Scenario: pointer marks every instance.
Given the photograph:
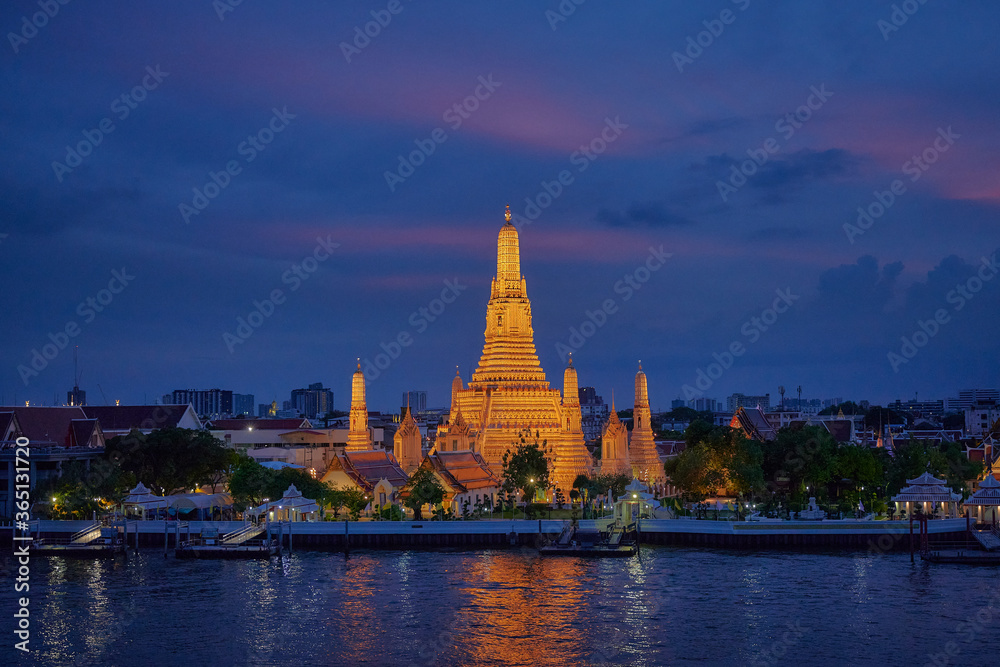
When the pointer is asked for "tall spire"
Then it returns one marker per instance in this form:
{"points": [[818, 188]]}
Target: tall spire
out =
{"points": [[645, 459], [509, 350], [358, 438]]}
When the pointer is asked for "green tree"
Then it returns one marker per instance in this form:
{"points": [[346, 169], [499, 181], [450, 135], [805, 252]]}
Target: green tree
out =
{"points": [[422, 489], [172, 459], [719, 458], [355, 501], [525, 468]]}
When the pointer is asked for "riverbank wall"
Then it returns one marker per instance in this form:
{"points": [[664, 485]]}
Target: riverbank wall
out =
{"points": [[881, 536]]}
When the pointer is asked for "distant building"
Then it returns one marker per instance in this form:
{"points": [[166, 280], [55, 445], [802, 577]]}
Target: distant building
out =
{"points": [[56, 436], [313, 401], [967, 397], [417, 400], [677, 403], [594, 412], [980, 417], [705, 404], [919, 408], [243, 404], [211, 403], [736, 401], [76, 396]]}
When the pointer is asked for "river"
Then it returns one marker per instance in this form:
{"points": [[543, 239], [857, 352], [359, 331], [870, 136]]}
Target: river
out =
{"points": [[670, 606]]}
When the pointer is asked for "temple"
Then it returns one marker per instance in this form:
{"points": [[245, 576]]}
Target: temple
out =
{"points": [[358, 438], [614, 446], [646, 465], [508, 391]]}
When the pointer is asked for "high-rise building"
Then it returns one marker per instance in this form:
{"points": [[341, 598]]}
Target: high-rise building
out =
{"points": [[968, 397], [704, 404], [313, 401], [243, 404], [738, 400], [417, 400], [208, 403], [594, 412]]}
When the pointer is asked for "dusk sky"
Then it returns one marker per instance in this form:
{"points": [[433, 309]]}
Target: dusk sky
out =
{"points": [[643, 124]]}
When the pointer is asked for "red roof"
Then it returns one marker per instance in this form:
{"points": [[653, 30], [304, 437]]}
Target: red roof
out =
{"points": [[463, 470], [140, 417], [54, 426], [367, 468]]}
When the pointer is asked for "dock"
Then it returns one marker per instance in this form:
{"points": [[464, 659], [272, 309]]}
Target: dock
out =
{"points": [[245, 542], [93, 541]]}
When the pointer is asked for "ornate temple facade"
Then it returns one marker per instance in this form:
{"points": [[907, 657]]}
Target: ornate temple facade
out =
{"points": [[614, 446], [508, 392], [407, 444], [358, 437]]}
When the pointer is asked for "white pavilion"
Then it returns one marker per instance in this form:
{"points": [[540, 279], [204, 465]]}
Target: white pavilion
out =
{"points": [[985, 502], [929, 494]]}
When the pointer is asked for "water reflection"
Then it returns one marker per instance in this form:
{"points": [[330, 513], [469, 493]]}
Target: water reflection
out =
{"points": [[671, 606]]}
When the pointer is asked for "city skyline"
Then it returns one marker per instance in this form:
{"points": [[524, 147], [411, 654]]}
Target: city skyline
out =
{"points": [[250, 164]]}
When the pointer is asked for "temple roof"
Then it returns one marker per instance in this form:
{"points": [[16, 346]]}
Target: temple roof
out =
{"points": [[924, 489], [463, 470], [367, 468]]}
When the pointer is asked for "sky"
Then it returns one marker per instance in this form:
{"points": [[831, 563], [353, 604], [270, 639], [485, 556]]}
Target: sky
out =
{"points": [[740, 194]]}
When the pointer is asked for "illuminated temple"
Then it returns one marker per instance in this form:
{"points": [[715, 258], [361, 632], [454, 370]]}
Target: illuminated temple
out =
{"points": [[508, 392]]}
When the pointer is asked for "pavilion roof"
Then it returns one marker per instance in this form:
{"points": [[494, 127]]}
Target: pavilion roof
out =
{"points": [[988, 493]]}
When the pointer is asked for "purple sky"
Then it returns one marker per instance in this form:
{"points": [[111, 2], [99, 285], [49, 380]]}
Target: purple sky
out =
{"points": [[672, 131]]}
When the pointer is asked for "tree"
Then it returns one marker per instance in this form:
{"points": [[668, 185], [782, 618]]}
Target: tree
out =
{"points": [[250, 483], [355, 501], [525, 468], [717, 458], [172, 459], [422, 489]]}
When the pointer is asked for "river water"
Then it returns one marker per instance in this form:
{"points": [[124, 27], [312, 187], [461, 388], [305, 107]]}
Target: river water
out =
{"points": [[670, 606]]}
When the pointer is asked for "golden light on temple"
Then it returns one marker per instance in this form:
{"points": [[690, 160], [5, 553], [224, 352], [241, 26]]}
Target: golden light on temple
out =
{"points": [[508, 391]]}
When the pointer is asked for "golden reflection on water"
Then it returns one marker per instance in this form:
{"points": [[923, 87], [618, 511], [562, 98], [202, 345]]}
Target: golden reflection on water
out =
{"points": [[518, 608]]}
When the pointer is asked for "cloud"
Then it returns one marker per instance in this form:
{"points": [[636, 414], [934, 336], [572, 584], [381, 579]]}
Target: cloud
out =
{"points": [[652, 214]]}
